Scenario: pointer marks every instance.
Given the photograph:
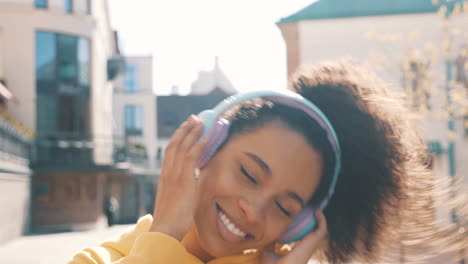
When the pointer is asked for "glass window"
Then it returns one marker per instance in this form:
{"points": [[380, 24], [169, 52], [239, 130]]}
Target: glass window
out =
{"points": [[67, 59], [133, 115], [72, 115], [45, 55], [66, 115], [129, 116], [131, 78], [69, 6], [83, 62], [62, 83], [138, 117], [46, 107], [40, 3]]}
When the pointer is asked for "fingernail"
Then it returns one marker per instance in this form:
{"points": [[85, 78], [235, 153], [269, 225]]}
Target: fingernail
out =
{"points": [[196, 172]]}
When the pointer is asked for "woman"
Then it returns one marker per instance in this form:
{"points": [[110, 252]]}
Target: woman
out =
{"points": [[276, 160]]}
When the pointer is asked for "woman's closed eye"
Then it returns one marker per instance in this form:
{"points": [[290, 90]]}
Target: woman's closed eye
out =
{"points": [[286, 212], [247, 174]]}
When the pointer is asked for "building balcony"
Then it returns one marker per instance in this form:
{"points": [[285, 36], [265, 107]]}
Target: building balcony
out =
{"points": [[79, 153], [62, 153], [132, 154]]}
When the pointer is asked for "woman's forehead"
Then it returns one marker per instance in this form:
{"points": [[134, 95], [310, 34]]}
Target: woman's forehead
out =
{"points": [[274, 140]]}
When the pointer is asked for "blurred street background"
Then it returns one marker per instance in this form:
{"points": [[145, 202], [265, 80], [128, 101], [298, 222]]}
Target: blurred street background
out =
{"points": [[91, 91], [55, 248]]}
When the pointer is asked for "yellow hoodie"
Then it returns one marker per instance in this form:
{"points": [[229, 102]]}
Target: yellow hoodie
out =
{"points": [[139, 246]]}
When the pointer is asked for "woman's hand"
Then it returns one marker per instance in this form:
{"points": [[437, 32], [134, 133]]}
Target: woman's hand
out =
{"points": [[302, 250], [177, 185]]}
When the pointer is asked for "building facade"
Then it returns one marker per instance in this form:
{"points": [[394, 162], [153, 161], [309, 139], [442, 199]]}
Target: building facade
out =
{"points": [[49, 50], [134, 109], [135, 124], [332, 29], [59, 58], [317, 33], [15, 175]]}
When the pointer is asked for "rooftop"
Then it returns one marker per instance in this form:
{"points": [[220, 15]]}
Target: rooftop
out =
{"points": [[327, 9]]}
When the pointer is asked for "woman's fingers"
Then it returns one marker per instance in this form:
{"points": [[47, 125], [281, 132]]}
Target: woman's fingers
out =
{"points": [[304, 249], [269, 255], [191, 137], [185, 147], [176, 196], [193, 156], [175, 141], [313, 240], [322, 222]]}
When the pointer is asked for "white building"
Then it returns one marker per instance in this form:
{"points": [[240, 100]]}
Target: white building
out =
{"points": [[48, 49], [55, 58], [135, 109], [328, 30], [332, 29]]}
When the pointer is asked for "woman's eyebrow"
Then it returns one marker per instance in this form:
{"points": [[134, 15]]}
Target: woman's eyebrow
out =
{"points": [[266, 169], [296, 197]]}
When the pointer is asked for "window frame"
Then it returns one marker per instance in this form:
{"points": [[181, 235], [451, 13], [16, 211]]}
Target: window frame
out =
{"points": [[68, 6], [133, 119], [52, 87], [42, 4], [133, 75]]}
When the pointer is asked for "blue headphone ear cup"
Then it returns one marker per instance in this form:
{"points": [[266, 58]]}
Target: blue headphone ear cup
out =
{"points": [[209, 118], [216, 131], [303, 224]]}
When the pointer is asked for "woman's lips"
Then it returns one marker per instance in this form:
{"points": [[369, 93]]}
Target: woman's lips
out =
{"points": [[227, 229]]}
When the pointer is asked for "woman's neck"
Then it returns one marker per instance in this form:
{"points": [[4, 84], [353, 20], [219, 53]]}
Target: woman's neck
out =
{"points": [[192, 246]]}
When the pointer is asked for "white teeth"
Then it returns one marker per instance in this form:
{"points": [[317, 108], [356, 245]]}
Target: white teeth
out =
{"points": [[230, 226]]}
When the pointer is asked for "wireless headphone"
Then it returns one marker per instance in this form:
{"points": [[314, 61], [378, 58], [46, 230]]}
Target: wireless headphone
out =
{"points": [[216, 128]]}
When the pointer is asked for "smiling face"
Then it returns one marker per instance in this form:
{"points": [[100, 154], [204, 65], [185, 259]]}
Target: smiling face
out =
{"points": [[252, 189]]}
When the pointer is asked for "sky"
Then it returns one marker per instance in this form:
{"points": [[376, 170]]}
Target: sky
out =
{"points": [[185, 36]]}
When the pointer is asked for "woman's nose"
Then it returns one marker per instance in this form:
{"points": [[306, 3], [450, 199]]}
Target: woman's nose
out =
{"points": [[251, 212]]}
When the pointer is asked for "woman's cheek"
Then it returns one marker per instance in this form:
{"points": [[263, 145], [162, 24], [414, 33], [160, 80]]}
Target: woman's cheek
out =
{"points": [[218, 181], [228, 183]]}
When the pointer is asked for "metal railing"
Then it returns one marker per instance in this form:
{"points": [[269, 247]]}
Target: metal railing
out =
{"points": [[74, 151], [15, 145]]}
